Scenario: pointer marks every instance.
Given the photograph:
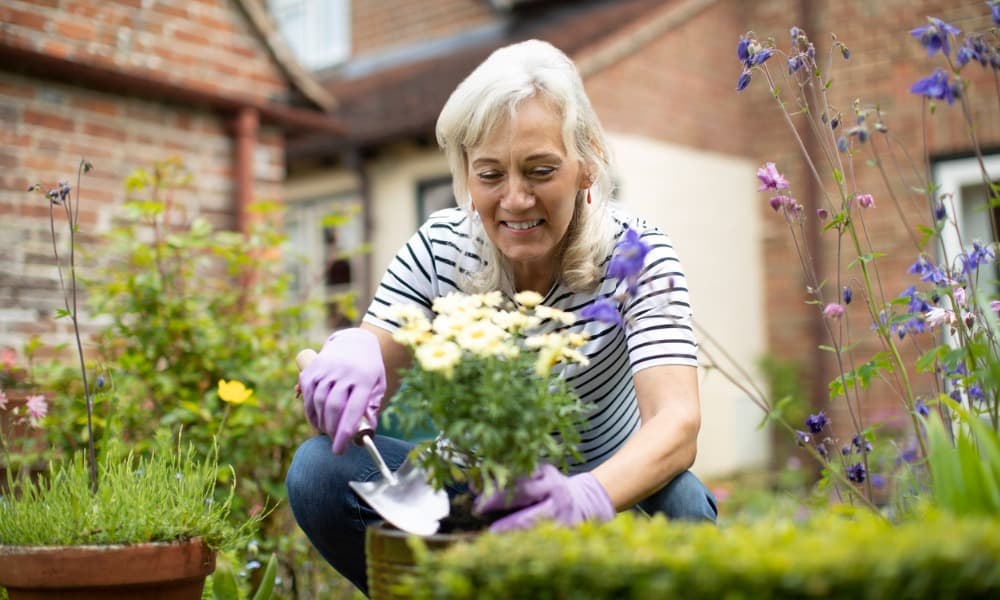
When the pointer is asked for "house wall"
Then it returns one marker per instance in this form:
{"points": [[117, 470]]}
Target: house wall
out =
{"points": [[717, 237], [379, 26], [47, 126]]}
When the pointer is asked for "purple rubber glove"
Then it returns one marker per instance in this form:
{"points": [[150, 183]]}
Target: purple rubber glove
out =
{"points": [[344, 383], [549, 495]]}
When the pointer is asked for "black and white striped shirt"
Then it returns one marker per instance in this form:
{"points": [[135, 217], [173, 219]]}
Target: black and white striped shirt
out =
{"points": [[658, 327]]}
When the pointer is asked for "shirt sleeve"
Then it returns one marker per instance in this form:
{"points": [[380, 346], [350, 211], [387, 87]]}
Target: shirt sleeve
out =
{"points": [[658, 318], [410, 279]]}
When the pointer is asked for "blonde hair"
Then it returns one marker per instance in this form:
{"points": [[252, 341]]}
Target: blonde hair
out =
{"points": [[484, 101]]}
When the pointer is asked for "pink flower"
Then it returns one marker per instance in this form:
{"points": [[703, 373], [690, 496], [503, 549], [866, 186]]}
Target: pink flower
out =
{"points": [[995, 306], [779, 201], [833, 311], [960, 295], [770, 178], [37, 407], [937, 315], [865, 200], [7, 358]]}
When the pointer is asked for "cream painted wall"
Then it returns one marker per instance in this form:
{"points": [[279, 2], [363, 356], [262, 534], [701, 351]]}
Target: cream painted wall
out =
{"points": [[707, 204], [394, 176]]}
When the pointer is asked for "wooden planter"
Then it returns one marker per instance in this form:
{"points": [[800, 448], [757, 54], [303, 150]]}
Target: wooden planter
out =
{"points": [[390, 557], [174, 571]]}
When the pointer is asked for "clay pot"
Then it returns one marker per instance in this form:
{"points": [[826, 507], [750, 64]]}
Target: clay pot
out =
{"points": [[167, 571], [390, 557]]}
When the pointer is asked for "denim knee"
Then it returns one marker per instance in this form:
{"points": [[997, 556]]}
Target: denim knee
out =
{"points": [[685, 498]]}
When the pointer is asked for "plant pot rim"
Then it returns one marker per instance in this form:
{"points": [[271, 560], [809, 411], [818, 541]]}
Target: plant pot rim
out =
{"points": [[54, 566]]}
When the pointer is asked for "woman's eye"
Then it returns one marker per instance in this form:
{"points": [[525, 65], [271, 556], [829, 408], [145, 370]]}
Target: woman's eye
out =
{"points": [[542, 172], [489, 176]]}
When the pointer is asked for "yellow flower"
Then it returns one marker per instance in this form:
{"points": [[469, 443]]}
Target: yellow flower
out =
{"points": [[439, 355], [234, 392], [481, 337]]}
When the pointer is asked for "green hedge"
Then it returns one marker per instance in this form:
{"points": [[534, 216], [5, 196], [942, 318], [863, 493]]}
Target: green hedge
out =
{"points": [[828, 556]]}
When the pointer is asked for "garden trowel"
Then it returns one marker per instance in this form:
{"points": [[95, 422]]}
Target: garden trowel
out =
{"points": [[404, 498]]}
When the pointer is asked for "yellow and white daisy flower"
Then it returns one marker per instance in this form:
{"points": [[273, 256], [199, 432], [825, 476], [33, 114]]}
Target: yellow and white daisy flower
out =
{"points": [[439, 356]]}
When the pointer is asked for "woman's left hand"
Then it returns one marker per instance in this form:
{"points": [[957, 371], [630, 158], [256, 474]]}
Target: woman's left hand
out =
{"points": [[549, 495]]}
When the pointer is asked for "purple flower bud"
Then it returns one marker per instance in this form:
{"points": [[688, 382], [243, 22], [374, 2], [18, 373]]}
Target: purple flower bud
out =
{"points": [[817, 422], [803, 437], [865, 200], [847, 294], [921, 408], [822, 214], [856, 472], [842, 144], [743, 81]]}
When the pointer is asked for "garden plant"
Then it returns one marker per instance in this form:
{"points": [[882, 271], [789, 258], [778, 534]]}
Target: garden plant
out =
{"points": [[484, 376]]}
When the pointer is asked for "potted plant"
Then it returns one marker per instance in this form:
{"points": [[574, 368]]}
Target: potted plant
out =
{"points": [[106, 522], [501, 359]]}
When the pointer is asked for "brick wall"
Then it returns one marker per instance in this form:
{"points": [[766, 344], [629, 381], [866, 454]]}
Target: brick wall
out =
{"points": [[206, 44], [47, 126], [383, 25], [678, 88]]}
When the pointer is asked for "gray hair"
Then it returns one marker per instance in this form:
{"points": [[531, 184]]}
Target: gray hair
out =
{"points": [[485, 100]]}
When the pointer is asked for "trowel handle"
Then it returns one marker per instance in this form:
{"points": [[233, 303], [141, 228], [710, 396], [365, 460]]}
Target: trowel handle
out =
{"points": [[365, 429]]}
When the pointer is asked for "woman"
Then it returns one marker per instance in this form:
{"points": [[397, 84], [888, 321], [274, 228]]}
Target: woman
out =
{"points": [[532, 170]]}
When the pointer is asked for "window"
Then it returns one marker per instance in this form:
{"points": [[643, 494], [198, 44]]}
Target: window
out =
{"points": [[318, 31], [324, 253], [434, 195], [967, 199]]}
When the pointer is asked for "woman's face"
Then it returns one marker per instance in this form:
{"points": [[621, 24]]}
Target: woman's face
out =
{"points": [[524, 184]]}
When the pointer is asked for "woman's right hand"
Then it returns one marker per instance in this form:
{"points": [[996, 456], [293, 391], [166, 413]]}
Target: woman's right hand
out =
{"points": [[345, 382]]}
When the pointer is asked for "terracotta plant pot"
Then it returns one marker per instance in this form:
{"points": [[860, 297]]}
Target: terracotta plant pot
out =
{"points": [[390, 557], [174, 571]]}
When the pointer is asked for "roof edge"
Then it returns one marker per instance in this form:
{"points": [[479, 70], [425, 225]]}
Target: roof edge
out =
{"points": [[298, 75], [594, 60]]}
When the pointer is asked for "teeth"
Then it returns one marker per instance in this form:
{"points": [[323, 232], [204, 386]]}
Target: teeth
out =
{"points": [[523, 224]]}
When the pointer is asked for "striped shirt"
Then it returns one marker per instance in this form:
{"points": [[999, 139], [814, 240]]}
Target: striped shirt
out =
{"points": [[658, 327]]}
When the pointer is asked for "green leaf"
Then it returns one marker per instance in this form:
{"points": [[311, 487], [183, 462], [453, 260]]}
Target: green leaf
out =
{"points": [[838, 176], [266, 588], [224, 585]]}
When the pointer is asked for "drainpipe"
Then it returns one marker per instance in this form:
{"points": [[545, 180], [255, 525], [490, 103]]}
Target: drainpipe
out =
{"points": [[245, 127]]}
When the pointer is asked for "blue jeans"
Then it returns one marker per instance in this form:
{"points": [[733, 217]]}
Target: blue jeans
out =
{"points": [[334, 518]]}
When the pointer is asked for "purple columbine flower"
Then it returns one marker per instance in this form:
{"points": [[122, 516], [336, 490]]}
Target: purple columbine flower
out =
{"points": [[628, 259], [934, 36], [936, 86], [770, 178], [856, 472], [858, 441], [921, 408], [817, 422], [743, 50], [995, 307], [603, 310]]}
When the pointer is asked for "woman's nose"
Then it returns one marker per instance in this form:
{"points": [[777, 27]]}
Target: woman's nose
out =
{"points": [[519, 194]]}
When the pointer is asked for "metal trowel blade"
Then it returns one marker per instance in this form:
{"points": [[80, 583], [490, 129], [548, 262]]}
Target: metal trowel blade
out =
{"points": [[411, 504]]}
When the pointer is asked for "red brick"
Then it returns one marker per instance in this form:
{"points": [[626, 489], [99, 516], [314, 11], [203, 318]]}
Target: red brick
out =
{"points": [[46, 119]]}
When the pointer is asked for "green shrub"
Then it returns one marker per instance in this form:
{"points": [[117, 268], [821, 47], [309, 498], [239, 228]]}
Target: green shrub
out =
{"points": [[829, 556]]}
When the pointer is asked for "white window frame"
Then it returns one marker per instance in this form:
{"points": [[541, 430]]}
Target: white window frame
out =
{"points": [[323, 37], [950, 176]]}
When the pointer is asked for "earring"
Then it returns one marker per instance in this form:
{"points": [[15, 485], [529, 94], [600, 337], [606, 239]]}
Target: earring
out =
{"points": [[588, 196]]}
